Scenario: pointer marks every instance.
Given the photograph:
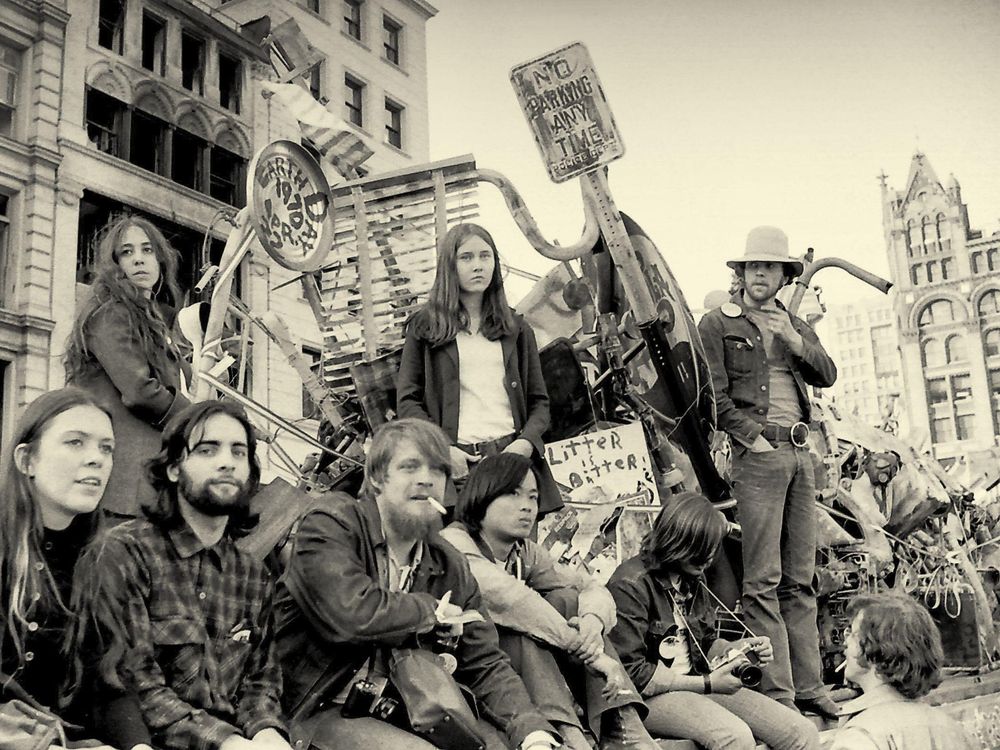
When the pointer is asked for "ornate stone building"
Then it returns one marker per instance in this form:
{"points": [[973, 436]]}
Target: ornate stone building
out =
{"points": [[946, 304]]}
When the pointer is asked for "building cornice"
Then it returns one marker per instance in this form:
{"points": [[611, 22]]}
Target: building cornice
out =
{"points": [[42, 9], [423, 7], [208, 22], [21, 321]]}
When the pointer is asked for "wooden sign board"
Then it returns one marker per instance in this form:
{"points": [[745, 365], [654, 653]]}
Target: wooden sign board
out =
{"points": [[563, 101]]}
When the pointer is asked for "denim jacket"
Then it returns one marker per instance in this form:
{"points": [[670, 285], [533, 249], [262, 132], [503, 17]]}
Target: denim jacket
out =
{"points": [[736, 356]]}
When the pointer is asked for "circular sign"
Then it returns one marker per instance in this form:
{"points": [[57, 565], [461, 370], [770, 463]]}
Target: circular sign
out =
{"points": [[291, 205]]}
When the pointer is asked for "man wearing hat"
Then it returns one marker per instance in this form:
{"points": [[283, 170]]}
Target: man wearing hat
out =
{"points": [[762, 358]]}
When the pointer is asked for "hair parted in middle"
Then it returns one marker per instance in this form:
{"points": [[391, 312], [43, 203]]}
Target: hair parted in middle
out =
{"points": [[426, 436], [443, 315], [180, 436], [110, 285], [492, 477], [899, 640], [688, 528]]}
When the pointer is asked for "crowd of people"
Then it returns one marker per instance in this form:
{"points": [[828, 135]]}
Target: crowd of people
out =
{"points": [[423, 612]]}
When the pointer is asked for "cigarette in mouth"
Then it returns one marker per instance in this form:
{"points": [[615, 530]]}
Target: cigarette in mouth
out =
{"points": [[437, 506]]}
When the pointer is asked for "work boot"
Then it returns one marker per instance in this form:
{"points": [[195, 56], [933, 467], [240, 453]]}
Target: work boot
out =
{"points": [[622, 729], [821, 704]]}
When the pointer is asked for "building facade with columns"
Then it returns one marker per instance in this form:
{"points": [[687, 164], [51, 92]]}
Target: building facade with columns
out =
{"points": [[154, 107], [946, 307]]}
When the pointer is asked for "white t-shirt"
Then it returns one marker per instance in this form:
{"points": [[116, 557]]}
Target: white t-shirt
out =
{"points": [[483, 407]]}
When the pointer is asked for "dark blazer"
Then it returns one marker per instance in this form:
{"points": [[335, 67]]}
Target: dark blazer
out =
{"points": [[142, 397], [428, 387], [332, 612]]}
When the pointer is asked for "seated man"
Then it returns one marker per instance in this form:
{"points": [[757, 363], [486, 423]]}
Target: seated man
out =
{"points": [[368, 576], [529, 598], [190, 616], [893, 652]]}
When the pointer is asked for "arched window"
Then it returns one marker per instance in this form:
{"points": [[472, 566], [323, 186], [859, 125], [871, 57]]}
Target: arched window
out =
{"points": [[931, 271], [943, 233], [930, 235], [991, 342], [917, 274], [976, 259], [914, 240], [937, 312], [948, 268], [989, 303], [954, 349], [932, 352], [992, 259]]}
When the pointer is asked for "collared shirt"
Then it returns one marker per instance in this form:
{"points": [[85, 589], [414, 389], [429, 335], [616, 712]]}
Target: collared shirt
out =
{"points": [[199, 625], [783, 403], [882, 719]]}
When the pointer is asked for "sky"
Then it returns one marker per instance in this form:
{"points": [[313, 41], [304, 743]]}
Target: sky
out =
{"points": [[733, 114]]}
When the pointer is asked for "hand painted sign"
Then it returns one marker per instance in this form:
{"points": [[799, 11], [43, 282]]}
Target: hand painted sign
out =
{"points": [[604, 466], [569, 115], [292, 207]]}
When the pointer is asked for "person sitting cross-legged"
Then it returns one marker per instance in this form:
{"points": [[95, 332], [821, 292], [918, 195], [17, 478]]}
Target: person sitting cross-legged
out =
{"points": [[552, 622], [893, 652]]}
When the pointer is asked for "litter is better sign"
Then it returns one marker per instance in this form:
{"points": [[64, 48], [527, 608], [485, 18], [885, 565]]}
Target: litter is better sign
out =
{"points": [[569, 115]]}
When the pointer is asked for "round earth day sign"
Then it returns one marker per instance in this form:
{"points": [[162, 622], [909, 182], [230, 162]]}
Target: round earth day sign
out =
{"points": [[292, 206]]}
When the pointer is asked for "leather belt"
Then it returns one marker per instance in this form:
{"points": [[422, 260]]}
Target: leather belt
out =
{"points": [[488, 447], [797, 434]]}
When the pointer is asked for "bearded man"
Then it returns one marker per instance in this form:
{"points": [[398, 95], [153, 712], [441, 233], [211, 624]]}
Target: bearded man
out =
{"points": [[372, 574], [185, 617]]}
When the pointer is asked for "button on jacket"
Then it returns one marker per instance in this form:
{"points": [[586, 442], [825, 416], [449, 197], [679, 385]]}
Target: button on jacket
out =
{"points": [[736, 357]]}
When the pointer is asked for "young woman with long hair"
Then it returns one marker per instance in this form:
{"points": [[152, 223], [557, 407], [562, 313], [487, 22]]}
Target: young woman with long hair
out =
{"points": [[51, 480], [470, 364], [551, 621], [665, 637], [121, 350]]}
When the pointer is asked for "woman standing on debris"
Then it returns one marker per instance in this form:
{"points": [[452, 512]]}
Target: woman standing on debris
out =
{"points": [[666, 639], [470, 364], [120, 350], [53, 475]]}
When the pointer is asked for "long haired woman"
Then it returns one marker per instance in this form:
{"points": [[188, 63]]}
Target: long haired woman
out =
{"points": [[470, 364], [665, 637], [52, 477], [121, 350]]}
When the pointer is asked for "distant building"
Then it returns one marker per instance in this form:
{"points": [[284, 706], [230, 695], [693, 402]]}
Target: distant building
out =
{"points": [[154, 107], [946, 302]]}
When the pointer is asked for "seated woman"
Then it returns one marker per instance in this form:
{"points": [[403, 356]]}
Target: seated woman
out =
{"points": [[51, 481], [551, 621], [665, 637], [893, 652]]}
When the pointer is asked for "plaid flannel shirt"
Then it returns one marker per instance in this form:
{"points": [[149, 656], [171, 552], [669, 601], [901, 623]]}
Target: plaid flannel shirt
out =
{"points": [[199, 624]]}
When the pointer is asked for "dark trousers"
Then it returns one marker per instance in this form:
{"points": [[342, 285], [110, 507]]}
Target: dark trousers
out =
{"points": [[331, 731]]}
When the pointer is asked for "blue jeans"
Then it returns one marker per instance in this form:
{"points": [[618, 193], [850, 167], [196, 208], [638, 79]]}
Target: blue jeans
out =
{"points": [[775, 504], [729, 722]]}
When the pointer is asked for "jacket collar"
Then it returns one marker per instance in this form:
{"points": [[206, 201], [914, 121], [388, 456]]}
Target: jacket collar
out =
{"points": [[429, 556], [508, 343], [737, 299], [881, 695]]}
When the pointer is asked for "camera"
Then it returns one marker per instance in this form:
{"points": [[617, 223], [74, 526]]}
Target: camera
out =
{"points": [[366, 699], [743, 662]]}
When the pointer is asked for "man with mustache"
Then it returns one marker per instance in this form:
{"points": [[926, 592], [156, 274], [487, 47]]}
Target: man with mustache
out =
{"points": [[762, 359], [369, 575], [186, 618]]}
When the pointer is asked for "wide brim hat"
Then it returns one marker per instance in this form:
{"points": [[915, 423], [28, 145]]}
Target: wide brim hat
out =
{"points": [[767, 245]]}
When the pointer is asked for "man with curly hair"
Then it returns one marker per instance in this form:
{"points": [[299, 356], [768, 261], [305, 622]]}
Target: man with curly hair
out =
{"points": [[893, 651]]}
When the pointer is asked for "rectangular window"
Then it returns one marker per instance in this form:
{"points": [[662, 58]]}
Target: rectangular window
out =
{"points": [[147, 142], [188, 160], [316, 81], [961, 387], [310, 410], [942, 430], [937, 391], [193, 63], [154, 33], [5, 259], [354, 99], [313, 5], [965, 428], [230, 83], [394, 123], [105, 117], [391, 33], [110, 21], [10, 60], [352, 18], [226, 176]]}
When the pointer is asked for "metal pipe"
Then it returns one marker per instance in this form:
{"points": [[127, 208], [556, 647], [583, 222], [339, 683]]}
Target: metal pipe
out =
{"points": [[802, 282], [529, 227]]}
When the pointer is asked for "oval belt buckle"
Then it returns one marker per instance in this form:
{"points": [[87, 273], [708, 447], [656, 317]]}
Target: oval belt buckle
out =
{"points": [[799, 434]]}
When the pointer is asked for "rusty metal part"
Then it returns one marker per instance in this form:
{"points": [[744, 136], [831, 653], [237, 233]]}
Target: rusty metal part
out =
{"points": [[812, 267]]}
